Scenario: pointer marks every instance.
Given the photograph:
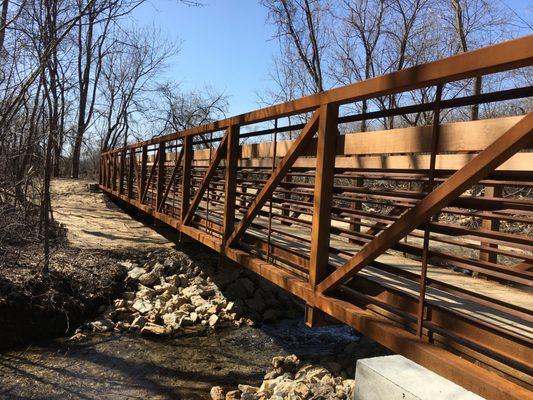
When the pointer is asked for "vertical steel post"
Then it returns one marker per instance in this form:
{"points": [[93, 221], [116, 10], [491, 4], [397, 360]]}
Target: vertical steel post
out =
{"points": [[427, 231], [274, 151], [230, 188], [322, 202], [144, 169], [108, 171], [356, 205], [131, 172], [208, 191], [114, 175], [490, 224], [186, 176], [160, 189], [121, 171]]}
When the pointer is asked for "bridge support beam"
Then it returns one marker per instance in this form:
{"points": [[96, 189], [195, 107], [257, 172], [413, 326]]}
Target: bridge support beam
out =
{"points": [[322, 201], [230, 187], [160, 176]]}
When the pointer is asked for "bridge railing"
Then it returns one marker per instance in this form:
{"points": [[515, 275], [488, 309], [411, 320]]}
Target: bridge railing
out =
{"points": [[381, 228]]}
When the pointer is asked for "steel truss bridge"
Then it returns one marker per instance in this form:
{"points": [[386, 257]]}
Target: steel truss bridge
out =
{"points": [[420, 237]]}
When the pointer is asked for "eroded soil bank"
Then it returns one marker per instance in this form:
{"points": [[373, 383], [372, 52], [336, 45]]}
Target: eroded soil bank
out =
{"points": [[90, 235], [34, 306]]}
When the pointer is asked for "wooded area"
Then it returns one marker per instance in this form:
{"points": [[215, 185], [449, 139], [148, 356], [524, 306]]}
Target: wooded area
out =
{"points": [[78, 78]]}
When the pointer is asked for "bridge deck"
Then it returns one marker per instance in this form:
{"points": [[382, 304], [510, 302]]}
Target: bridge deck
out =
{"points": [[521, 296], [420, 237]]}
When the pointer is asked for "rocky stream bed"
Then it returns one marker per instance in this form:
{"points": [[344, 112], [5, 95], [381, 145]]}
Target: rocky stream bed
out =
{"points": [[183, 328]]}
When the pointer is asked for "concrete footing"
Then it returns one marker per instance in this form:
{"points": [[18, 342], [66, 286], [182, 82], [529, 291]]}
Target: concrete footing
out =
{"points": [[396, 377]]}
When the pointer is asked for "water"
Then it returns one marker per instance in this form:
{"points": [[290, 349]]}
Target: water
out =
{"points": [[129, 366]]}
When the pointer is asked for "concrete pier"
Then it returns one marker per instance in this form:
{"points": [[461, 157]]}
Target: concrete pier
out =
{"points": [[396, 377]]}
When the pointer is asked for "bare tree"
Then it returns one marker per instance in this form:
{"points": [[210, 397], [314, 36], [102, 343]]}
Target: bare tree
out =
{"points": [[94, 39], [301, 30], [177, 111], [127, 77], [475, 23], [357, 43]]}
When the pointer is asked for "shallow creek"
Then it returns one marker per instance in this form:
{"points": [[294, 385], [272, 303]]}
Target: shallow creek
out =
{"points": [[128, 366]]}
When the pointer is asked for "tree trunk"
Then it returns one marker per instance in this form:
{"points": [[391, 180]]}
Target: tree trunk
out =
{"points": [[3, 22]]}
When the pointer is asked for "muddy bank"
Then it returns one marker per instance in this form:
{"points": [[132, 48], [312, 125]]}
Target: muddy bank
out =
{"points": [[131, 366], [36, 306]]}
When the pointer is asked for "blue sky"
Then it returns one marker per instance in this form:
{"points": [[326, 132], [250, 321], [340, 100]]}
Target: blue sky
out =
{"points": [[226, 44]]}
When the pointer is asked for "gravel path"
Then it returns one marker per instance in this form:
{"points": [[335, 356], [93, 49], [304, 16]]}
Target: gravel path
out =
{"points": [[94, 222]]}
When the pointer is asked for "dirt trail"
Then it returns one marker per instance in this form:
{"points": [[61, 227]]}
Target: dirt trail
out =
{"points": [[94, 222]]}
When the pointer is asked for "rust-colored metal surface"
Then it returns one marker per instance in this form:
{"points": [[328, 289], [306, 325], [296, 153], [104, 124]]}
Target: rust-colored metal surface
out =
{"points": [[420, 237]]}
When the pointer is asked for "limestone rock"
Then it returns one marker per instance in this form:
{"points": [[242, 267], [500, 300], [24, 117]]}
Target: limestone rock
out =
{"points": [[299, 390], [153, 329], [143, 306], [78, 337], [138, 322], [194, 317], [118, 303], [171, 320], [129, 296], [127, 264], [187, 307], [123, 315], [136, 272], [316, 374], [197, 300], [194, 290], [183, 280], [158, 269], [217, 393], [282, 389], [213, 319], [148, 279], [286, 364], [102, 325], [204, 309], [248, 389], [233, 395], [235, 307], [169, 264], [349, 387], [185, 320]]}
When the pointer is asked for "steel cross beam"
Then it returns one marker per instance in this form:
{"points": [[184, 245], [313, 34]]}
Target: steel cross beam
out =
{"points": [[283, 167], [512, 141]]}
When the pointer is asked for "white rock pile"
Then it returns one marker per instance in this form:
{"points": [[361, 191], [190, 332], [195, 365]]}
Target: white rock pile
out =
{"points": [[289, 378], [171, 294]]}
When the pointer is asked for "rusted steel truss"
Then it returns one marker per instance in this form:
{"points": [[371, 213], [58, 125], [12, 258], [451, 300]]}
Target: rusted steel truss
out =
{"points": [[419, 237]]}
